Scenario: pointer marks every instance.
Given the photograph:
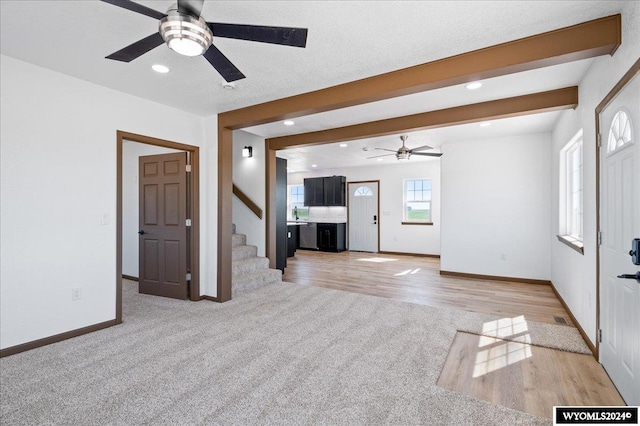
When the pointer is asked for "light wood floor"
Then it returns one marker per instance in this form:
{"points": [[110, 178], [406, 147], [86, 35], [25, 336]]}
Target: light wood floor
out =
{"points": [[525, 377], [418, 280], [533, 384]]}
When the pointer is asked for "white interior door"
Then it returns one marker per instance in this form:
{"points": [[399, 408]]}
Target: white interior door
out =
{"points": [[363, 216], [620, 224]]}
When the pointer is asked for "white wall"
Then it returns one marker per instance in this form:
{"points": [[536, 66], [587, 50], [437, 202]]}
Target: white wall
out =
{"points": [[395, 237], [495, 202], [249, 176], [58, 182], [573, 274], [131, 152]]}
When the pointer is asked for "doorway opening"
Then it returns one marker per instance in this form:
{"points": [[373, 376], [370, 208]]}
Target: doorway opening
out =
{"points": [[192, 205]]}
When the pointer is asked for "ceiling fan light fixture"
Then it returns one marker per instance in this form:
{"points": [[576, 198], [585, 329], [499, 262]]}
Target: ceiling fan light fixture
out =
{"points": [[403, 156], [185, 34]]}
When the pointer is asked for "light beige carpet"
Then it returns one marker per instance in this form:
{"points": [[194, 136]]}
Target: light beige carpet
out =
{"points": [[285, 354]]}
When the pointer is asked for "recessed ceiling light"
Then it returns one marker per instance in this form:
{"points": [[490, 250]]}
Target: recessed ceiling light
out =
{"points": [[380, 159], [314, 165], [485, 124], [343, 145], [160, 68], [474, 85], [288, 122]]}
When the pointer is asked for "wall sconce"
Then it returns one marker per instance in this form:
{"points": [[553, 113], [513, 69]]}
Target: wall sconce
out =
{"points": [[247, 152]]}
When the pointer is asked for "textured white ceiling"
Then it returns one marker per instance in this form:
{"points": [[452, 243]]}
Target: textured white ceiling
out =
{"points": [[516, 84], [348, 40], [357, 153]]}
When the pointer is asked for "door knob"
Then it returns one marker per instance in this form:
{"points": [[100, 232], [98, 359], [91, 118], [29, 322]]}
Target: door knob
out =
{"points": [[635, 276], [635, 251], [141, 232]]}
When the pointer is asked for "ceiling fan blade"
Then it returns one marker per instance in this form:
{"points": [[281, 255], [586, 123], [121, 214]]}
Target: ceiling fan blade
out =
{"points": [[383, 155], [224, 66], [428, 154], [296, 37], [135, 7], [385, 149], [421, 148], [138, 48], [190, 7]]}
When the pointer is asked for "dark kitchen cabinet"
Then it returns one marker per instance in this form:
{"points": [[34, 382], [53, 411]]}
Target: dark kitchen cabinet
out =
{"points": [[332, 236], [334, 190], [325, 191], [314, 192]]}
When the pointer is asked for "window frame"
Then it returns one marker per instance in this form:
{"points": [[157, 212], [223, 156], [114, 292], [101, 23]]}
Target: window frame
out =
{"points": [[405, 201], [291, 204], [571, 211]]}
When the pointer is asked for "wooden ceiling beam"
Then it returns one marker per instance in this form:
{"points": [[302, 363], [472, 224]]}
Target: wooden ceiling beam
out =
{"points": [[491, 110], [586, 40]]}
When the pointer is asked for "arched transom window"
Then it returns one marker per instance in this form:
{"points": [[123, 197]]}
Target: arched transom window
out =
{"points": [[620, 132], [363, 191]]}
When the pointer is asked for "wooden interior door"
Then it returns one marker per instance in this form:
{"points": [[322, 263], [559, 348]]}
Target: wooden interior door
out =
{"points": [[619, 225], [363, 216], [163, 230]]}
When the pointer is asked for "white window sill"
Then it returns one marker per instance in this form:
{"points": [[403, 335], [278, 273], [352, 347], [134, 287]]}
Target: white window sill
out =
{"points": [[572, 242]]}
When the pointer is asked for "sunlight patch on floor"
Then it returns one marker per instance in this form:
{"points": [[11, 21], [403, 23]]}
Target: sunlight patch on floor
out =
{"points": [[377, 260], [507, 327], [407, 272], [499, 353]]}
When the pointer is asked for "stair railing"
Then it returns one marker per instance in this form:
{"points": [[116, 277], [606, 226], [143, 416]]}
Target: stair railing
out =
{"points": [[247, 201]]}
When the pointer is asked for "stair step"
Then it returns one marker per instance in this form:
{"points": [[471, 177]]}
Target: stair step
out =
{"points": [[238, 240], [243, 252], [249, 266], [251, 282]]}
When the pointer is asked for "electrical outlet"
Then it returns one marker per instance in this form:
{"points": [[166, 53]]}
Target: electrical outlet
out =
{"points": [[104, 220], [76, 293], [503, 256]]}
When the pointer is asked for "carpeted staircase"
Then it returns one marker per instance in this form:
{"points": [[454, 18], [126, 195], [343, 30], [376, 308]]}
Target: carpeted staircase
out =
{"points": [[249, 271]]}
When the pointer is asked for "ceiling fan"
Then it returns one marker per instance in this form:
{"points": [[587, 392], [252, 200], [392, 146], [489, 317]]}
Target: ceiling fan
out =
{"points": [[187, 33], [404, 153]]}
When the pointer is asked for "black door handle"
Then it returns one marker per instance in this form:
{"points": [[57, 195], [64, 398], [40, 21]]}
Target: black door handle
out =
{"points": [[635, 276], [141, 232]]}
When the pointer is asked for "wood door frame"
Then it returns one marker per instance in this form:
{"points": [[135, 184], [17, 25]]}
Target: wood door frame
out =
{"points": [[589, 39], [355, 182], [194, 285], [617, 88]]}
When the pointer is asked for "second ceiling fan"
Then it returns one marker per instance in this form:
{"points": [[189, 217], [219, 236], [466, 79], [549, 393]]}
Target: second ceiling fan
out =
{"points": [[186, 32], [404, 153]]}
